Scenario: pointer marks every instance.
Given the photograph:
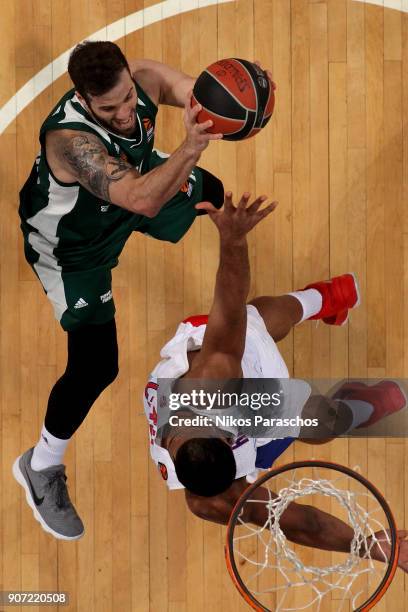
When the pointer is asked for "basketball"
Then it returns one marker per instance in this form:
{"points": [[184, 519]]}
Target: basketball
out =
{"points": [[237, 96]]}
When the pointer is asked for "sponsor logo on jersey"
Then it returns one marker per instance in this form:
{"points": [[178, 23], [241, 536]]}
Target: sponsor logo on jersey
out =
{"points": [[149, 127], [163, 470], [187, 188], [105, 297], [117, 148], [105, 207], [81, 303]]}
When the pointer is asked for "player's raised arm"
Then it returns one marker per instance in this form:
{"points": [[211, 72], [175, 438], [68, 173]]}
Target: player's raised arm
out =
{"points": [[302, 524], [82, 157], [224, 339], [172, 86]]}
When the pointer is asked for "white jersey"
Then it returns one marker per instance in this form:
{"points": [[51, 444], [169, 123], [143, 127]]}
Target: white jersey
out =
{"points": [[261, 359]]}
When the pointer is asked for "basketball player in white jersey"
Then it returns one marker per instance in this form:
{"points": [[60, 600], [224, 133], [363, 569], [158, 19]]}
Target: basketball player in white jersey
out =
{"points": [[237, 340]]}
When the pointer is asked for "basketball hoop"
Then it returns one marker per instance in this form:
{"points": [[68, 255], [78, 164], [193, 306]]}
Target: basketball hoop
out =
{"points": [[271, 575]]}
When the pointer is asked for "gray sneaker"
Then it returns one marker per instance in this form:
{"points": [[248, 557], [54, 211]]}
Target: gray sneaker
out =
{"points": [[47, 496]]}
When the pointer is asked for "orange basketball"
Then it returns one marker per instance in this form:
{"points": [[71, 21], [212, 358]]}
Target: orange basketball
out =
{"points": [[237, 96]]}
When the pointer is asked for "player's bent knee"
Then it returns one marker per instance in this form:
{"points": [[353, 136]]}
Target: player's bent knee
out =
{"points": [[110, 374], [93, 380], [213, 190], [104, 375]]}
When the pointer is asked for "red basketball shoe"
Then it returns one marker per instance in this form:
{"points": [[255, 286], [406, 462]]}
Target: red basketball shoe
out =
{"points": [[386, 397], [340, 294]]}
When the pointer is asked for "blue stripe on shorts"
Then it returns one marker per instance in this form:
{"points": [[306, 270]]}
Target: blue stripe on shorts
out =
{"points": [[268, 453]]}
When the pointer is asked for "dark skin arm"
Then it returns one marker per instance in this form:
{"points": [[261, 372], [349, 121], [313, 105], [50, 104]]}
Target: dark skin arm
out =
{"points": [[302, 524], [224, 341]]}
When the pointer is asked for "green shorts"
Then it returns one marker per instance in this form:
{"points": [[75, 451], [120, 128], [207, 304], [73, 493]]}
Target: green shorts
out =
{"points": [[83, 296]]}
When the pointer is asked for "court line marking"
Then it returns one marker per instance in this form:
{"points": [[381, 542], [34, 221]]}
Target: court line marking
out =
{"points": [[397, 5], [113, 31], [119, 29]]}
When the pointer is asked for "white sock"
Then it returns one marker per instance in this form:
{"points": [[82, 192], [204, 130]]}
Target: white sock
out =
{"points": [[361, 412], [48, 451], [311, 301]]}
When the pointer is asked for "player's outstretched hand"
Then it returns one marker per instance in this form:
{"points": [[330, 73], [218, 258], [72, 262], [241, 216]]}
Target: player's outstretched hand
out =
{"points": [[234, 222], [403, 551], [386, 549], [197, 137]]}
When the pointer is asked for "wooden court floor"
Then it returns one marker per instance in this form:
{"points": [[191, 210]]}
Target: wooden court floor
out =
{"points": [[335, 155]]}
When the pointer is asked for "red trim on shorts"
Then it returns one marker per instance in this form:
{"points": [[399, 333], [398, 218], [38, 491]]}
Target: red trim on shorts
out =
{"points": [[197, 320]]}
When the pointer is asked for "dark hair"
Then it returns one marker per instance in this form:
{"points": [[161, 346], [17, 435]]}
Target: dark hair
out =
{"points": [[94, 67], [205, 466]]}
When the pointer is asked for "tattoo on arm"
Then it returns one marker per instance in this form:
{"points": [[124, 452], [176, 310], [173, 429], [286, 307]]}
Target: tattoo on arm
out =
{"points": [[90, 162]]}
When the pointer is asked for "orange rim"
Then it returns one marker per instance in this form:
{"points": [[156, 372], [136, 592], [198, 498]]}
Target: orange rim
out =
{"points": [[229, 552]]}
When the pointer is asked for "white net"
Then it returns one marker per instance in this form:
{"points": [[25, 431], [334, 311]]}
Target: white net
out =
{"points": [[273, 571]]}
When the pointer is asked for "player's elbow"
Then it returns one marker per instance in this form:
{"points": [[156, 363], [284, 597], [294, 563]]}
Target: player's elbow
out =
{"points": [[148, 209], [144, 205], [140, 201]]}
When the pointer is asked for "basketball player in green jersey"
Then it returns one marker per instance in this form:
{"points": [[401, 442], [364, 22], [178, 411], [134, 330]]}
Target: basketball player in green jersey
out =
{"points": [[97, 179]]}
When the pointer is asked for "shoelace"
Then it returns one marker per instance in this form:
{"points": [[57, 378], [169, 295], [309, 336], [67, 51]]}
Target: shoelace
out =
{"points": [[57, 482]]}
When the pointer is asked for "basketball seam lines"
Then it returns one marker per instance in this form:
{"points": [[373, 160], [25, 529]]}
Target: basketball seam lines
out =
{"points": [[256, 95], [229, 119], [267, 102], [220, 116], [231, 94]]}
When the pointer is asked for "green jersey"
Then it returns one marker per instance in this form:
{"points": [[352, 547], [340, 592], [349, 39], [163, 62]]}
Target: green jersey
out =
{"points": [[74, 221], [73, 239]]}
